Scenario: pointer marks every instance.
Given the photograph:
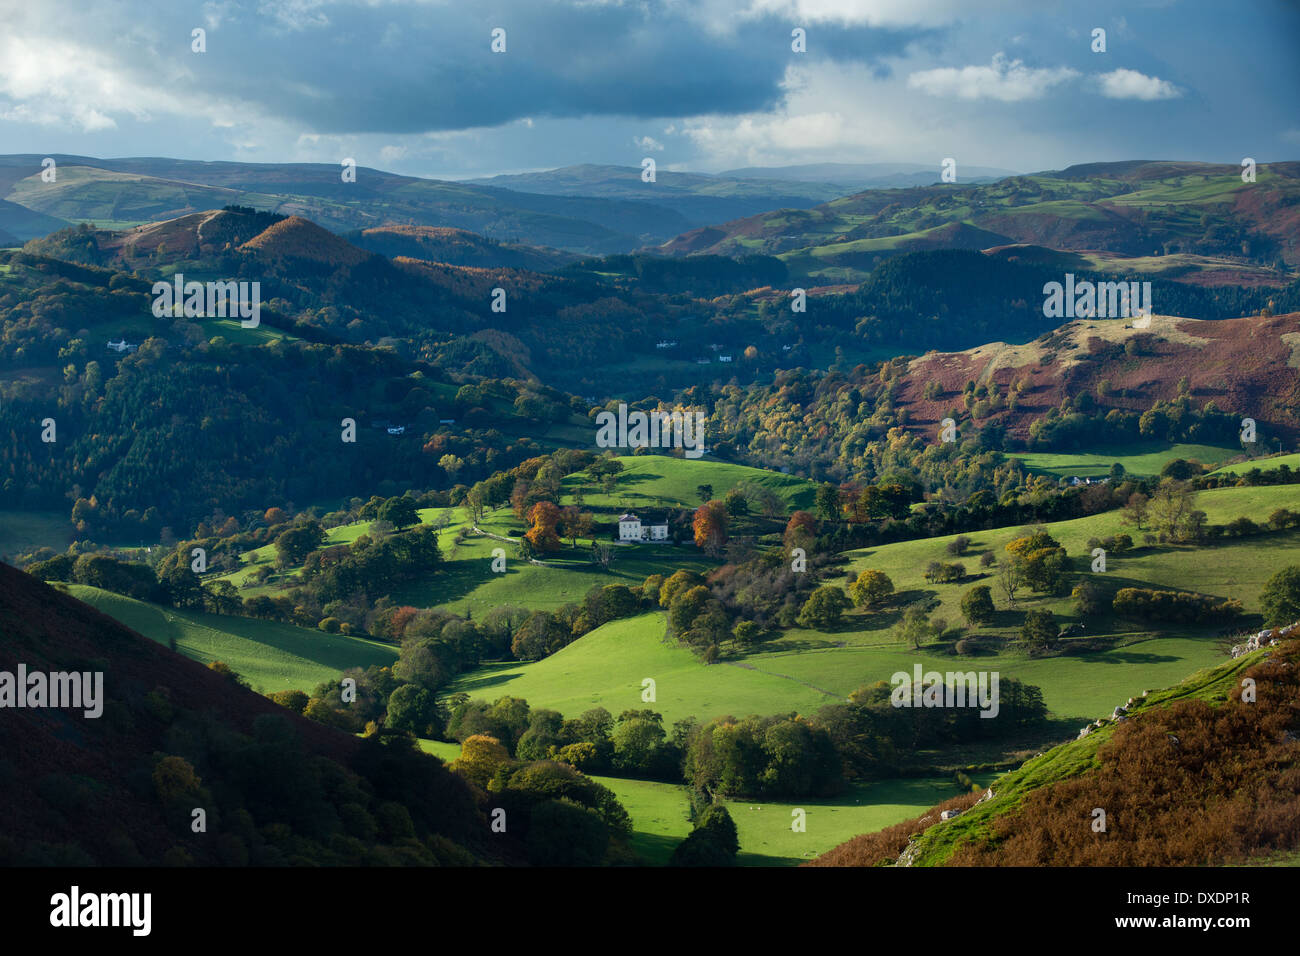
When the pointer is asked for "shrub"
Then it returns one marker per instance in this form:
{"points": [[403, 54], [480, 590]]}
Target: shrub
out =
{"points": [[977, 605], [941, 573], [1182, 607]]}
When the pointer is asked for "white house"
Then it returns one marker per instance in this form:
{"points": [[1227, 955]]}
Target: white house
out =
{"points": [[630, 528], [122, 346], [396, 429], [724, 358]]}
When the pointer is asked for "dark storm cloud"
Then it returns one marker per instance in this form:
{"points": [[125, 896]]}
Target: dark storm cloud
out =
{"points": [[409, 68]]}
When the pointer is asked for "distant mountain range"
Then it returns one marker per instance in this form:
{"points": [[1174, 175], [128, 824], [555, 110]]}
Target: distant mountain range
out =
{"points": [[830, 224], [118, 193], [584, 209]]}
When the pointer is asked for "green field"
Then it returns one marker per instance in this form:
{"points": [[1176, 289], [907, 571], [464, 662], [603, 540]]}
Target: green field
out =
{"points": [[660, 814], [660, 818], [1292, 461], [804, 669], [656, 480], [1145, 460], [466, 581], [270, 655], [1071, 758], [605, 668]]}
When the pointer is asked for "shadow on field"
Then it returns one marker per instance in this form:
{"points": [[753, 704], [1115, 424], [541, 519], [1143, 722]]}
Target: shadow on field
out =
{"points": [[452, 580], [1128, 657], [489, 680], [654, 848]]}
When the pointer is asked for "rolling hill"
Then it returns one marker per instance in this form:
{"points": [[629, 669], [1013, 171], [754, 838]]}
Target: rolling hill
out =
{"points": [[699, 198], [124, 192], [1192, 775], [275, 788], [1127, 209], [1250, 365], [802, 669], [270, 655]]}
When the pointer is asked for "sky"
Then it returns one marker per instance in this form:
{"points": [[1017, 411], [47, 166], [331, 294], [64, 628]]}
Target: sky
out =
{"points": [[414, 86]]}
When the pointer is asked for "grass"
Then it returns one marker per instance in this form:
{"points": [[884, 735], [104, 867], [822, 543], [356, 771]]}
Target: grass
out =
{"points": [[1084, 686], [1067, 760], [768, 839], [1263, 464], [466, 581], [802, 669], [656, 480], [606, 667], [22, 531], [1147, 461], [270, 655], [660, 814]]}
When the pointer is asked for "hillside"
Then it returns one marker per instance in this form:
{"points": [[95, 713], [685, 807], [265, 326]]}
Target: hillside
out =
{"points": [[127, 192], [802, 668], [277, 789], [1191, 775], [698, 197], [457, 247], [270, 655], [1249, 364], [1125, 209], [298, 238]]}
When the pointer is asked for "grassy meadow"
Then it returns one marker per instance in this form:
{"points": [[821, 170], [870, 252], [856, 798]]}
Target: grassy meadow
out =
{"points": [[270, 655]]}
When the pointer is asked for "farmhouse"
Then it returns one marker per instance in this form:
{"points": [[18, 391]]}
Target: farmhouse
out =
{"points": [[630, 528], [122, 346]]}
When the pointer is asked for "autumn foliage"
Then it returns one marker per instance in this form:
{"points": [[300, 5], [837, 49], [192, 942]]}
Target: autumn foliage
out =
{"points": [[543, 536], [710, 526], [1189, 784]]}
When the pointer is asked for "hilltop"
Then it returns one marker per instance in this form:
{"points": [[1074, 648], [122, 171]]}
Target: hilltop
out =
{"points": [[1249, 364]]}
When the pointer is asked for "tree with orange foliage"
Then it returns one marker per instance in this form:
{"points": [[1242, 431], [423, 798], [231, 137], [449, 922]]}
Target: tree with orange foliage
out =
{"points": [[275, 516], [800, 531], [710, 525], [545, 516]]}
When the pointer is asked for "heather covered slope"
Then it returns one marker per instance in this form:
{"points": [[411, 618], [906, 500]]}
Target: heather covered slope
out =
{"points": [[1249, 365], [1197, 774], [174, 735]]}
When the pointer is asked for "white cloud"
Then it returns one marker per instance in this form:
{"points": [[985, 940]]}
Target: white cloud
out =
{"points": [[648, 142], [846, 113], [1003, 79], [875, 13], [1131, 85]]}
